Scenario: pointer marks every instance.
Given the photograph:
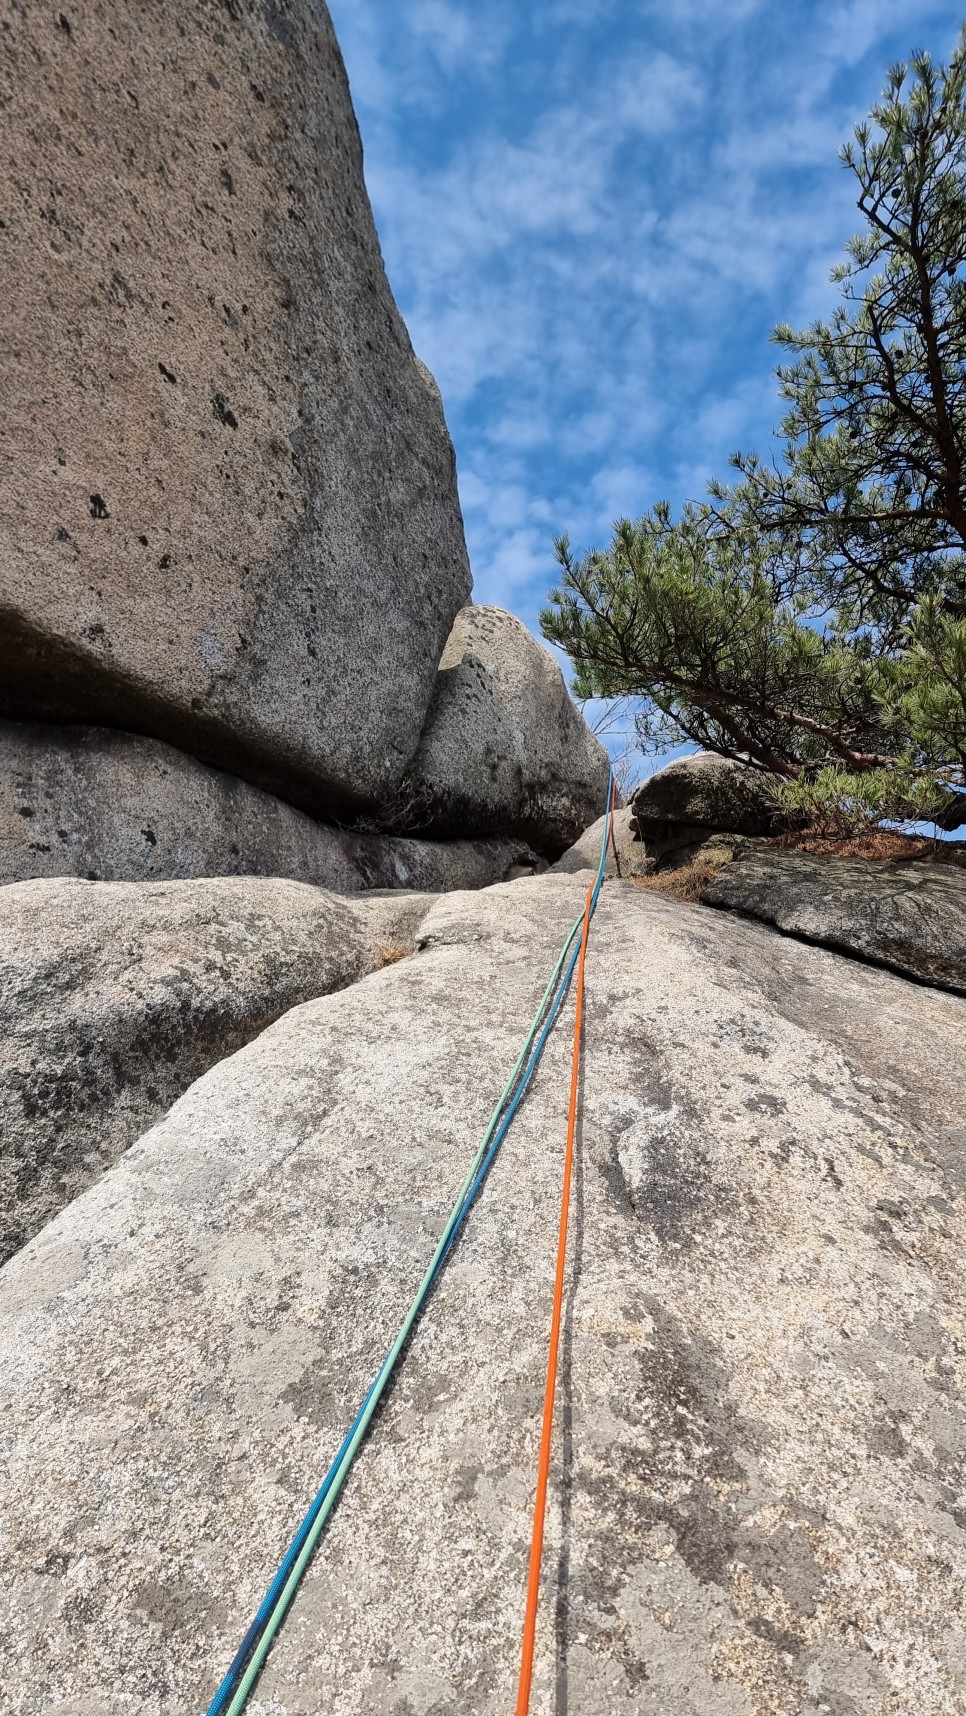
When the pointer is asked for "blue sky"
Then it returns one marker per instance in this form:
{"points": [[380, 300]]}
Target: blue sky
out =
{"points": [[592, 213]]}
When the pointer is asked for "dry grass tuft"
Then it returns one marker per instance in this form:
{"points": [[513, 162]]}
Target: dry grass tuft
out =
{"points": [[688, 883], [391, 953], [876, 844]]}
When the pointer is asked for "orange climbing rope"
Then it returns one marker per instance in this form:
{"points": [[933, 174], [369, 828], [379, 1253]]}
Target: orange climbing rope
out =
{"points": [[546, 1439]]}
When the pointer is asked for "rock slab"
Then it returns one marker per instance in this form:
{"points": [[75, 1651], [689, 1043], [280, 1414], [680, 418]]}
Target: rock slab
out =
{"points": [[108, 806], [910, 917], [227, 493], [757, 1486], [115, 996], [505, 748]]}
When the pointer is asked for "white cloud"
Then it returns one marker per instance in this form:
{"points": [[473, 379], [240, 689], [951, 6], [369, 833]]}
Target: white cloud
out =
{"points": [[456, 33], [593, 211]]}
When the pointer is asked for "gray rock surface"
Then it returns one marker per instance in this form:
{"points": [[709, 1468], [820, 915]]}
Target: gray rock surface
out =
{"points": [[672, 845], [115, 996], [758, 1474], [108, 806], [505, 748], [229, 514], [632, 856], [707, 790], [668, 846], [910, 917]]}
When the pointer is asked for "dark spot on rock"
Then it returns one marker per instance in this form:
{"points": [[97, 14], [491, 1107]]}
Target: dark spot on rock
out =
{"points": [[143, 541], [38, 846], [227, 181], [25, 810], [615, 1182], [63, 23], [168, 374], [213, 81], [833, 1704], [164, 562], [777, 1636], [256, 92], [99, 507], [150, 836], [884, 1436], [764, 1101], [223, 411], [782, 1560], [685, 1450], [279, 26], [160, 1604], [668, 1176], [61, 534]]}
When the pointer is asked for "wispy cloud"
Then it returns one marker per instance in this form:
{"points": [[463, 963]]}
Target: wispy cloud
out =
{"points": [[592, 215]]}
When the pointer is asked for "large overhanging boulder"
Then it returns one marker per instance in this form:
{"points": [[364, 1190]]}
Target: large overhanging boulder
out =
{"points": [[707, 791], [116, 807], [505, 747], [229, 511]]}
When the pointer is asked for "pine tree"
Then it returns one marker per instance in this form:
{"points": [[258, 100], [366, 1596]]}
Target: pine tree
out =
{"points": [[811, 615]]}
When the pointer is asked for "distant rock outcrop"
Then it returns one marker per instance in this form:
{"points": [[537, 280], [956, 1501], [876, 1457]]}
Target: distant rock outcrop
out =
{"points": [[114, 997], [229, 508], [908, 916], [86, 801], [631, 858], [505, 749], [757, 1487]]}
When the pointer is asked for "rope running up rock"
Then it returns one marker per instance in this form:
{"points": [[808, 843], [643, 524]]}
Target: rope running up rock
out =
{"points": [[233, 1693]]}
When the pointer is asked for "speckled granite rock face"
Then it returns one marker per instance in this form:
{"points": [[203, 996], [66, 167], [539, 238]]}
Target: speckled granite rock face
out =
{"points": [[86, 801], [229, 511], [115, 996], [633, 857], [759, 1469], [505, 748], [910, 917], [708, 791]]}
